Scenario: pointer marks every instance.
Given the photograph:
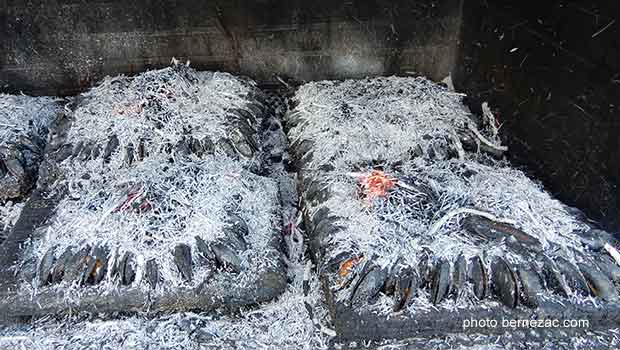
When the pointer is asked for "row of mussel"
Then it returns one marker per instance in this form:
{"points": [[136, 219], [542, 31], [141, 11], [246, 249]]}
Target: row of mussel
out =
{"points": [[242, 143], [90, 265], [529, 282]]}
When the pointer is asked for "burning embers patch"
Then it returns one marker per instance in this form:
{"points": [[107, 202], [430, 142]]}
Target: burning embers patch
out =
{"points": [[152, 201], [427, 242]]}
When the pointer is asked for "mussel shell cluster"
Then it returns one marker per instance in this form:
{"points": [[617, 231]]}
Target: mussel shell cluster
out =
{"points": [[90, 265], [539, 277]]}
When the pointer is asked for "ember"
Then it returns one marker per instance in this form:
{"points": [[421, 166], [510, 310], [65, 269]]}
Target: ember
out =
{"points": [[348, 265], [376, 184]]}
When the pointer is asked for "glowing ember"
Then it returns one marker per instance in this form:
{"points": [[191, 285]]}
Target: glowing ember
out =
{"points": [[347, 265], [377, 184]]}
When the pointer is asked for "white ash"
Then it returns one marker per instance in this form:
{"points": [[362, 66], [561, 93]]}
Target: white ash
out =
{"points": [[158, 109], [354, 123], [25, 116], [280, 324], [186, 199], [9, 213], [385, 229], [400, 222]]}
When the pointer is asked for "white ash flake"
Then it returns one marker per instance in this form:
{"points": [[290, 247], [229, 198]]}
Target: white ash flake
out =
{"points": [[353, 123], [25, 116], [9, 213]]}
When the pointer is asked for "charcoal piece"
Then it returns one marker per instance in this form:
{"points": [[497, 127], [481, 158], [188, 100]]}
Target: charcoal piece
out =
{"points": [[226, 257], [478, 277], [334, 262], [58, 272], [325, 235], [236, 232], [255, 110], [243, 145], [100, 255], [316, 192], [531, 286], [248, 132], [245, 115], [320, 215], [3, 170], [89, 265], [85, 153], [141, 151], [425, 268], [95, 152], [75, 267], [368, 285], [440, 281], [324, 224], [128, 269], [208, 146], [609, 267], [504, 282], [390, 282], [596, 239], [302, 146], [63, 153], [46, 266], [31, 144], [183, 148], [129, 154], [225, 146], [553, 277], [205, 250], [349, 270], [490, 230], [238, 224], [405, 286], [201, 147], [15, 168], [152, 273], [110, 148], [116, 270], [441, 149], [459, 278], [77, 149], [183, 260], [599, 284], [574, 279]]}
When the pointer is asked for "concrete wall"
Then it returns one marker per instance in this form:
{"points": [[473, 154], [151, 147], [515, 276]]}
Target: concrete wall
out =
{"points": [[551, 69], [62, 46]]}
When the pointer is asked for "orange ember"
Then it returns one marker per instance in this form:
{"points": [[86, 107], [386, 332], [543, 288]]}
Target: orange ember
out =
{"points": [[376, 184], [347, 266]]}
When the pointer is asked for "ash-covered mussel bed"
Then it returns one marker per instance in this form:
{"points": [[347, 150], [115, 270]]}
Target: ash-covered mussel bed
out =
{"points": [[160, 202], [173, 191], [412, 214]]}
